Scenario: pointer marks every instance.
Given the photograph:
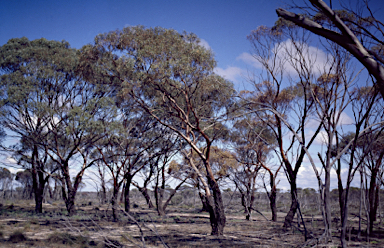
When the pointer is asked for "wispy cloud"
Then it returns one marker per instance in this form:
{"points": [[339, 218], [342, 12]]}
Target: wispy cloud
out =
{"points": [[230, 73], [288, 56], [345, 120], [204, 44], [249, 59]]}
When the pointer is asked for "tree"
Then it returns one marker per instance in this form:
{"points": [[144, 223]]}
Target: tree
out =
{"points": [[171, 77], [124, 150], [274, 102], [223, 163], [360, 35], [5, 180], [364, 150], [79, 122], [25, 179], [33, 75], [252, 144], [55, 113], [349, 30]]}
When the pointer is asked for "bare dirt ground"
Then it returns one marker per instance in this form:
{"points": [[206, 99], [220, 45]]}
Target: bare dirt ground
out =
{"points": [[93, 227]]}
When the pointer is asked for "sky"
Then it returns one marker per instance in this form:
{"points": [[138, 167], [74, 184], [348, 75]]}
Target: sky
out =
{"points": [[223, 26]]}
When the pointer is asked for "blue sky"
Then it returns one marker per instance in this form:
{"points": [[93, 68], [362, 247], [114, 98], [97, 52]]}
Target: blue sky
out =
{"points": [[223, 25]]}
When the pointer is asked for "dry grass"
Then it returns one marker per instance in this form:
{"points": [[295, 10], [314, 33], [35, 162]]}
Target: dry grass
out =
{"points": [[93, 227]]}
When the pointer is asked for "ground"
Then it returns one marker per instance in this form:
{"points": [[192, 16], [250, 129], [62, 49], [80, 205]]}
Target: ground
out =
{"points": [[92, 226]]}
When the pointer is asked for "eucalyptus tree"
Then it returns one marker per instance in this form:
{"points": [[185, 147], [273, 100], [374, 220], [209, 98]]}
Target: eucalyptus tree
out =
{"points": [[76, 126], [163, 172], [223, 163], [283, 100], [374, 173], [364, 152], [6, 178], [33, 74], [332, 93], [25, 179], [171, 77], [126, 149], [335, 91], [22, 154], [358, 31], [253, 144], [47, 105]]}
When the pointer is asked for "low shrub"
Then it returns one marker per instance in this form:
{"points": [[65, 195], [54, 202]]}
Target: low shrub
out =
{"points": [[66, 238], [17, 236]]}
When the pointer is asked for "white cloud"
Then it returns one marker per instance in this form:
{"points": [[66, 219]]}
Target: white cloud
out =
{"points": [[313, 57], [204, 44], [11, 160], [230, 73], [322, 138], [289, 57], [313, 123], [249, 59], [345, 120]]}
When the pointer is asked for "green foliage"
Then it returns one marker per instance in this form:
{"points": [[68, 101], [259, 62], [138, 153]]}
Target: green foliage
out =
{"points": [[170, 74]]}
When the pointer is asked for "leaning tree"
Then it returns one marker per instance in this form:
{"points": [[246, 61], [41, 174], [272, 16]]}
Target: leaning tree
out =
{"points": [[171, 77]]}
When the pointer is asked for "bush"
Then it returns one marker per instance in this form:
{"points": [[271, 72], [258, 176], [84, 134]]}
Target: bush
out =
{"points": [[176, 200], [66, 238], [16, 237], [111, 243]]}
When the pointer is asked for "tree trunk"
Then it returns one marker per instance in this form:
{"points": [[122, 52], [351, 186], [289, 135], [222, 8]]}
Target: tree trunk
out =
{"points": [[38, 202], [327, 203], [373, 196], [204, 202], [216, 209], [70, 203], [103, 193], [159, 193], [38, 182], [114, 202], [39, 192], [160, 210], [144, 192], [69, 191], [272, 204], [273, 194], [294, 204], [126, 193], [247, 204]]}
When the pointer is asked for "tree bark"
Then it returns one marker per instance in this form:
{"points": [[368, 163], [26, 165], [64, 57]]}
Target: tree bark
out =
{"points": [[38, 181], [373, 195], [159, 194], [272, 203], [327, 203], [216, 209], [144, 192], [204, 202], [127, 207], [69, 202], [293, 208], [114, 202]]}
